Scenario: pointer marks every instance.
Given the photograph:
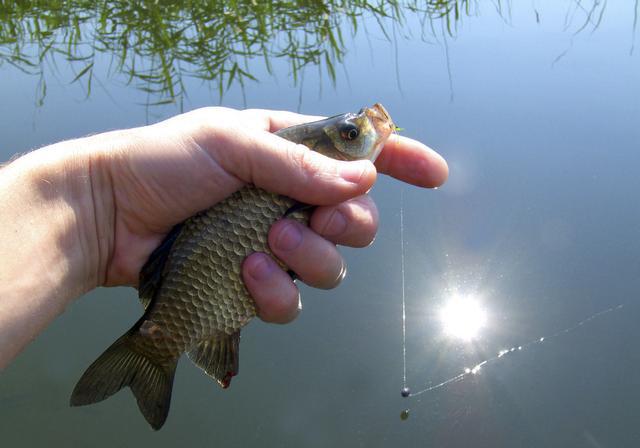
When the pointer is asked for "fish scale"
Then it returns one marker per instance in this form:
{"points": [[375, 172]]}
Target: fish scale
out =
{"points": [[191, 286], [213, 245]]}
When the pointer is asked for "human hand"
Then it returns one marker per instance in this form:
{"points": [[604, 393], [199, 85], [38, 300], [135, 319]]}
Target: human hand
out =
{"points": [[89, 212], [173, 169]]}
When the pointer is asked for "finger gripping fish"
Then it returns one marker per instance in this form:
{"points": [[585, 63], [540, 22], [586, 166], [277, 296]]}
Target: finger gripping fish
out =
{"points": [[191, 286]]}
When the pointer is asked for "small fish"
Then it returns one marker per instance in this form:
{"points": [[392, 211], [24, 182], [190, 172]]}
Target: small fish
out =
{"points": [[191, 286]]}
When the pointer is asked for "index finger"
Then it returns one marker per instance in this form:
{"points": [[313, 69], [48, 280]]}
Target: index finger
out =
{"points": [[410, 161], [274, 120], [405, 159]]}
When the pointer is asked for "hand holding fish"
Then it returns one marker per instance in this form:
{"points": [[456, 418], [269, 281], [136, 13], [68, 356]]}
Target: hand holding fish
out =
{"points": [[224, 149], [90, 212]]}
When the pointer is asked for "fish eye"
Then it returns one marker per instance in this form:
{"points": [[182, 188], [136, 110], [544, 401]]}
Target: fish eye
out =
{"points": [[349, 132]]}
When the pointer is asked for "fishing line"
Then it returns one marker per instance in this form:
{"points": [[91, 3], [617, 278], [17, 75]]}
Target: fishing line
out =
{"points": [[404, 308], [470, 371]]}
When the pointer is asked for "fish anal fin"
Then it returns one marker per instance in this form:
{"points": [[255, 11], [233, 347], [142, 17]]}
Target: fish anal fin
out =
{"points": [[151, 272], [122, 365], [218, 357]]}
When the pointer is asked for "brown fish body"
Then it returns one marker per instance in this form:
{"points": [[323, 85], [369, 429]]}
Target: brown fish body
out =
{"points": [[202, 296], [191, 286]]}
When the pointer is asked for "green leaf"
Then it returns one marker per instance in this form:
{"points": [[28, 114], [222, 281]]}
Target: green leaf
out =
{"points": [[82, 72], [232, 74]]}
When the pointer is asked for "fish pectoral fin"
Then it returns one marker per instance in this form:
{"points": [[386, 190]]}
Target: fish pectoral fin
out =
{"points": [[151, 272], [218, 357], [122, 365]]}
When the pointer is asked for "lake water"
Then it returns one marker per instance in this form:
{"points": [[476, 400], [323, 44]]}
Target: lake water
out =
{"points": [[536, 107]]}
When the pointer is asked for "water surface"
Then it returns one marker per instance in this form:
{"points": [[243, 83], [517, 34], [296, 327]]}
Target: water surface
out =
{"points": [[535, 106]]}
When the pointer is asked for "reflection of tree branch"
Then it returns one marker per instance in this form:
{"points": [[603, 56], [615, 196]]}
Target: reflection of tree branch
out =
{"points": [[597, 8], [635, 24], [589, 15], [448, 61], [157, 44], [212, 41]]}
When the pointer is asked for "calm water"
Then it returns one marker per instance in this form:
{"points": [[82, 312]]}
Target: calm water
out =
{"points": [[539, 118]]}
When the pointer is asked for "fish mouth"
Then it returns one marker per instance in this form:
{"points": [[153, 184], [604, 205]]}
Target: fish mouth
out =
{"points": [[381, 120], [383, 125]]}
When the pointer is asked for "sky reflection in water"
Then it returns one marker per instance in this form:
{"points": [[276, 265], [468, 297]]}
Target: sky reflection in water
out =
{"points": [[539, 220]]}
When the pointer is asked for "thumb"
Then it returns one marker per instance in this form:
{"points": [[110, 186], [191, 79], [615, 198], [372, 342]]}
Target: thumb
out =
{"points": [[280, 166]]}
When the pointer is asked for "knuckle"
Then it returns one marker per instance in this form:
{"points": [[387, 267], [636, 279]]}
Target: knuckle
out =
{"points": [[210, 114], [305, 161], [366, 201]]}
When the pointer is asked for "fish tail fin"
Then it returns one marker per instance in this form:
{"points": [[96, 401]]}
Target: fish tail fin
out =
{"points": [[121, 365]]}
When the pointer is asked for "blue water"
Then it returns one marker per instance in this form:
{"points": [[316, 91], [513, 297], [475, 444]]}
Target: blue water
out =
{"points": [[539, 219]]}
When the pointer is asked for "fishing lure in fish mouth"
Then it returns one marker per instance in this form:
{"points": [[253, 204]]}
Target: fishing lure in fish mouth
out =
{"points": [[191, 286]]}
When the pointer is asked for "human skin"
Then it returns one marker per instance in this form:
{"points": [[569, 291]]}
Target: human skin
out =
{"points": [[88, 212]]}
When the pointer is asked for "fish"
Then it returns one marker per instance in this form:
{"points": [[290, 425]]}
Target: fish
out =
{"points": [[191, 285]]}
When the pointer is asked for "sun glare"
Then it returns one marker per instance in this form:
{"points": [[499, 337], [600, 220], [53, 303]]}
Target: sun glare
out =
{"points": [[463, 317]]}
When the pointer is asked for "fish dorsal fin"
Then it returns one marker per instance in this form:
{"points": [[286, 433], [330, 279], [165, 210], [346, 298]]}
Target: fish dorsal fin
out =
{"points": [[218, 357], [151, 272]]}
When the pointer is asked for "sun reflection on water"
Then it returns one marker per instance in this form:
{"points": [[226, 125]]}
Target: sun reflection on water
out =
{"points": [[463, 317]]}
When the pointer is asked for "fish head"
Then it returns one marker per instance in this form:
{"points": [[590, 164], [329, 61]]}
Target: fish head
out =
{"points": [[358, 136]]}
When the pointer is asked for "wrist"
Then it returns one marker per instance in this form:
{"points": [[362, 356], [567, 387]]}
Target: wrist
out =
{"points": [[51, 251], [50, 218], [48, 214]]}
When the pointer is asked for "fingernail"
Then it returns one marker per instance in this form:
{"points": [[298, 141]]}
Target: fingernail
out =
{"points": [[262, 268], [337, 224], [353, 171], [341, 275], [289, 238]]}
